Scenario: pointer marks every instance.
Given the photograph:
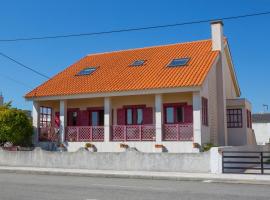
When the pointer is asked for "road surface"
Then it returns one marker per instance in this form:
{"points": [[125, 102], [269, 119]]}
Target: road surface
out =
{"points": [[47, 187]]}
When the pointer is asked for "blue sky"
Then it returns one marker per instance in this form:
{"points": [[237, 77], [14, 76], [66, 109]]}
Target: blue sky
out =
{"points": [[248, 38]]}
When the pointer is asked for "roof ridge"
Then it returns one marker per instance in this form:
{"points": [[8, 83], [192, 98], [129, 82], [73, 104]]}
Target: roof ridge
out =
{"points": [[149, 47]]}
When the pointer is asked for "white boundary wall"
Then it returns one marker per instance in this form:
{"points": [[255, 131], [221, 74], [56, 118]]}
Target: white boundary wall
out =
{"points": [[131, 160]]}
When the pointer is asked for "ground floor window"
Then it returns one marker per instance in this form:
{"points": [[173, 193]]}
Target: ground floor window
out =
{"points": [[96, 117], [173, 114], [234, 118], [204, 111], [45, 116], [134, 116]]}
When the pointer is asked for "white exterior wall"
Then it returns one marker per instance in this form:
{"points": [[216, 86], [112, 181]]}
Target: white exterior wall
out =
{"points": [[149, 147], [209, 91], [244, 135], [262, 132], [35, 117]]}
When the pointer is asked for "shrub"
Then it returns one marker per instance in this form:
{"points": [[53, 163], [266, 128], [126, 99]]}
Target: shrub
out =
{"points": [[208, 146], [15, 127]]}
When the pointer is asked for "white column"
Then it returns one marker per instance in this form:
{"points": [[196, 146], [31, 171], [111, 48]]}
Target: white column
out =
{"points": [[35, 116], [63, 119], [107, 118], [158, 117], [197, 124]]}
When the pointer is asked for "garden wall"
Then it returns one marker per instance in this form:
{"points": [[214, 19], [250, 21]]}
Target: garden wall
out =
{"points": [[128, 160]]}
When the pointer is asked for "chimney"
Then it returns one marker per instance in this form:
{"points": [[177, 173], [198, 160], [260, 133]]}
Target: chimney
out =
{"points": [[217, 35]]}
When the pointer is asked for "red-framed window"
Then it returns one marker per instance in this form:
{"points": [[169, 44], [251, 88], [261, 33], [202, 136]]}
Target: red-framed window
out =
{"points": [[173, 113], [45, 117], [134, 115], [249, 119], [204, 111], [73, 117], [234, 118], [96, 116]]}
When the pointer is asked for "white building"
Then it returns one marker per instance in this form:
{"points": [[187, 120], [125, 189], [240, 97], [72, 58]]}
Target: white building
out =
{"points": [[261, 126], [176, 97]]}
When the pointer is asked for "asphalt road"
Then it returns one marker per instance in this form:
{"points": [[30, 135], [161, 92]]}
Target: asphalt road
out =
{"points": [[41, 187]]}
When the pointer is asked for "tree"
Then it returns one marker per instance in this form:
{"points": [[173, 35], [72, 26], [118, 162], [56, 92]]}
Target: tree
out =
{"points": [[15, 127]]}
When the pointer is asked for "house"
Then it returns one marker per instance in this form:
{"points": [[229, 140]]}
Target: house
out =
{"points": [[261, 126], [173, 98]]}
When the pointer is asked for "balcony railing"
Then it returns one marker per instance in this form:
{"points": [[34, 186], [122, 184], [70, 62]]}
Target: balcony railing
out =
{"points": [[84, 133], [178, 132], [133, 133], [48, 134]]}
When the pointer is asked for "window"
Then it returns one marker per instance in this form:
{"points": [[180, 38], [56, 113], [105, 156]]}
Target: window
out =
{"points": [[74, 116], [45, 117], [204, 111], [96, 117], [234, 118], [174, 114], [134, 116], [249, 119], [178, 62], [86, 71], [138, 63]]}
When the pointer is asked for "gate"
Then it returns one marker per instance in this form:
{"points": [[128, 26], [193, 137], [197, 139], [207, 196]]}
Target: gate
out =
{"points": [[246, 162]]}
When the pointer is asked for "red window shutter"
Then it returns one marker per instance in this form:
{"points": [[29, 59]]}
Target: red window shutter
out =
{"points": [[188, 113], [148, 115], [57, 119], [121, 116], [83, 118]]}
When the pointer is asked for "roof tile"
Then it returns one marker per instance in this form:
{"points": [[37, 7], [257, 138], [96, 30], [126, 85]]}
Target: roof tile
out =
{"points": [[114, 72]]}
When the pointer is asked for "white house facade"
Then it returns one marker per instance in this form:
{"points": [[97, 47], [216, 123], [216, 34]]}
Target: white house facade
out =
{"points": [[172, 98]]}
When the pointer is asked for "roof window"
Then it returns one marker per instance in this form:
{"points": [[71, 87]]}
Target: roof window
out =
{"points": [[179, 62], [138, 63], [86, 71]]}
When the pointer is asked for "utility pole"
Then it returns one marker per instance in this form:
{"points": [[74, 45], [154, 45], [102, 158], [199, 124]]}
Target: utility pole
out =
{"points": [[1, 99]]}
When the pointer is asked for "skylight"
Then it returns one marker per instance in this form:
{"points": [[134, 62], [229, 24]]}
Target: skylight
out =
{"points": [[178, 62], [138, 63], [86, 71]]}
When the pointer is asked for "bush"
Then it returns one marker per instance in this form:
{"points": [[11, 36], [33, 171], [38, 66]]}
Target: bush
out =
{"points": [[208, 146], [15, 127]]}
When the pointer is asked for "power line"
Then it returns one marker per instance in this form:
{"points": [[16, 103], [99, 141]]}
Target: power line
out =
{"points": [[15, 81], [134, 29], [24, 66]]}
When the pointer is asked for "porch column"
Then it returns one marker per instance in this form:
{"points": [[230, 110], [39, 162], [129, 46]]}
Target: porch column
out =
{"points": [[63, 119], [158, 118], [36, 121], [197, 124], [107, 118]]}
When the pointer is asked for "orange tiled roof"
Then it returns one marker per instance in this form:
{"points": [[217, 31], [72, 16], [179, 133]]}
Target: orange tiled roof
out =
{"points": [[114, 72]]}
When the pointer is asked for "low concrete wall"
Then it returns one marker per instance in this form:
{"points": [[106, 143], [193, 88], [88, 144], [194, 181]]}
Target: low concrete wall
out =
{"points": [[129, 160]]}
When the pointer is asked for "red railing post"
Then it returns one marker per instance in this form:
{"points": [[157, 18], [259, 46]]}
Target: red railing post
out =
{"points": [[140, 132], [91, 133], [125, 133], [178, 132], [77, 131]]}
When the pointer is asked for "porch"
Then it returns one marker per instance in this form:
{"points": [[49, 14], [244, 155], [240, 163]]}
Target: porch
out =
{"points": [[138, 121]]}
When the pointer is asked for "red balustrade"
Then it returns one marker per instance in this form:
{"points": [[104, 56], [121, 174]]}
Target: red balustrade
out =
{"points": [[178, 132], [133, 133], [84, 133]]}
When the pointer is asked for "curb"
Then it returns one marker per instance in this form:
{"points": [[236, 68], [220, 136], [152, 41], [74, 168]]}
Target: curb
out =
{"points": [[192, 177]]}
